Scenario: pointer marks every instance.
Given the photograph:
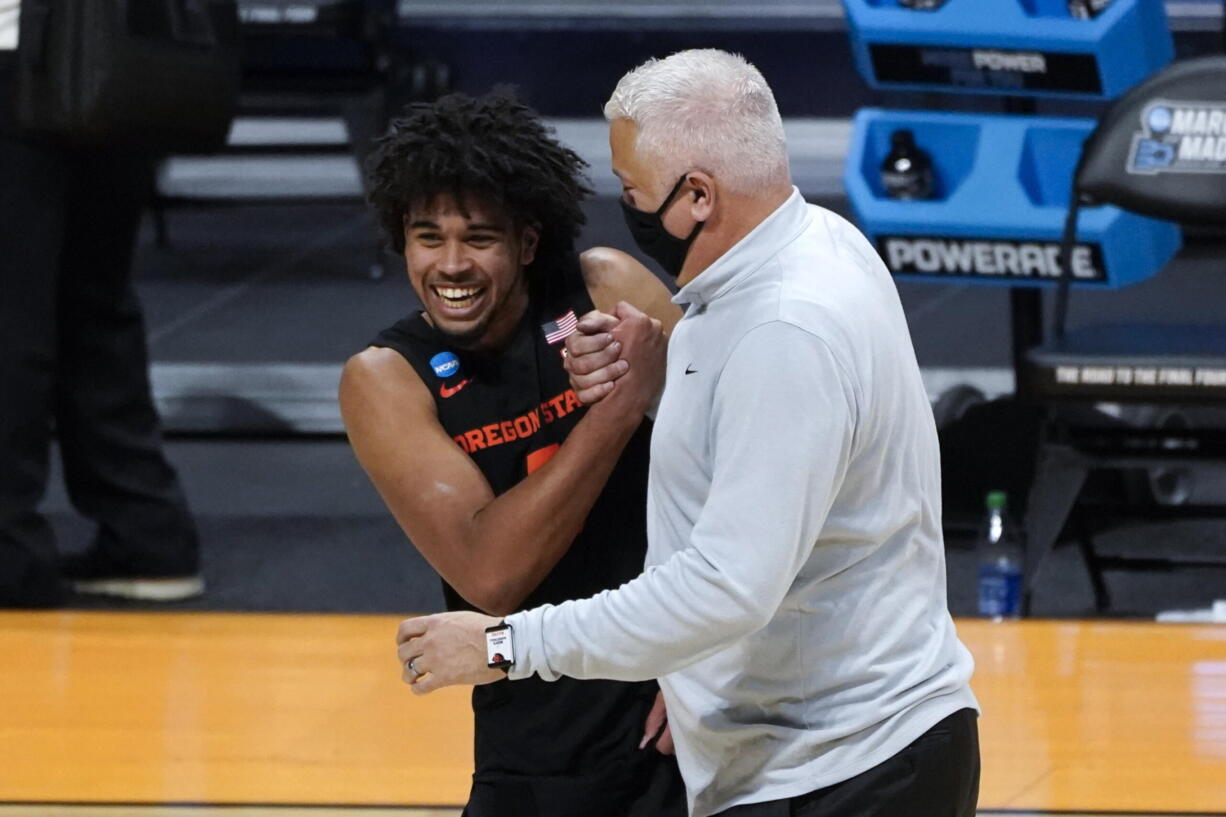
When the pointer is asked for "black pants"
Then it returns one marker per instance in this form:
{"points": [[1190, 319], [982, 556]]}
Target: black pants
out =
{"points": [[73, 353], [936, 776], [655, 789]]}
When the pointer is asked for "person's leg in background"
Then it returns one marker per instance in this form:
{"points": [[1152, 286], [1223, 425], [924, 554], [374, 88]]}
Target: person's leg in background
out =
{"points": [[33, 185], [110, 437]]}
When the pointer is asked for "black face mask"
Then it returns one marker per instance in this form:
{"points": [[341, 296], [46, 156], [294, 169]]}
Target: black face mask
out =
{"points": [[658, 243]]}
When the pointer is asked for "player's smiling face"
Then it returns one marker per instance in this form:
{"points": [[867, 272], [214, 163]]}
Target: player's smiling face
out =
{"points": [[467, 267]]}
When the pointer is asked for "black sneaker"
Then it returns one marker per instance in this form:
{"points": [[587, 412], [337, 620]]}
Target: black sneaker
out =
{"points": [[95, 573]]}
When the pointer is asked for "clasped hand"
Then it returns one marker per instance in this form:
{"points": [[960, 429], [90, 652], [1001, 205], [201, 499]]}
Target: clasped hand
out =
{"points": [[618, 358]]}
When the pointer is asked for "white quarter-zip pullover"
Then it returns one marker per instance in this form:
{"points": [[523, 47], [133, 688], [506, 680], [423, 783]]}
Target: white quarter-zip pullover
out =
{"points": [[9, 12], [793, 606]]}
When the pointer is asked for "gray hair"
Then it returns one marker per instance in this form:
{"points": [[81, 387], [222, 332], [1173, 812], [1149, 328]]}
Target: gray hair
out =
{"points": [[707, 110]]}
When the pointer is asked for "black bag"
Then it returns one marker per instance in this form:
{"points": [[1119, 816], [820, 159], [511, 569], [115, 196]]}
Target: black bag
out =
{"points": [[157, 75]]}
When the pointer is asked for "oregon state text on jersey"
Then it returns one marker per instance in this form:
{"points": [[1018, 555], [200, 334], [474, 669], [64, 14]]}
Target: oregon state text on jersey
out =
{"points": [[520, 427]]}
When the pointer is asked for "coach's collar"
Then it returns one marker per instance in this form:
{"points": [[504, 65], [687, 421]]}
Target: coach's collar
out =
{"points": [[749, 254]]}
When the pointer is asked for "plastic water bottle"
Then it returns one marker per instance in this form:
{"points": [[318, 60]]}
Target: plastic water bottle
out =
{"points": [[1000, 562], [906, 172], [1087, 9]]}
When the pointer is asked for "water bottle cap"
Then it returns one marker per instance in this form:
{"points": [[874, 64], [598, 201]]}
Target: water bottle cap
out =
{"points": [[997, 500], [902, 137]]}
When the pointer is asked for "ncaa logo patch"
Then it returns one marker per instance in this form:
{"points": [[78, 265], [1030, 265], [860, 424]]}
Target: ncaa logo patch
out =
{"points": [[445, 364]]}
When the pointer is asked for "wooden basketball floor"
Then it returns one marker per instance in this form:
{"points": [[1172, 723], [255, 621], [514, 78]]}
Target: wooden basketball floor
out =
{"points": [[147, 714]]}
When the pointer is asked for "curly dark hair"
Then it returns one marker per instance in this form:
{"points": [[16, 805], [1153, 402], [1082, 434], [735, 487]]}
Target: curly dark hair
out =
{"points": [[492, 147]]}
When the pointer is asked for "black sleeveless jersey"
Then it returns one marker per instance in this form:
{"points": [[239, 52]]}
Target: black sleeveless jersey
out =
{"points": [[510, 411]]}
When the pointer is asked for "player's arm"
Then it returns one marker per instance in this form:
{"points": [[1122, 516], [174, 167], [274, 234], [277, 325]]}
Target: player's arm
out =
{"points": [[493, 550], [613, 276]]}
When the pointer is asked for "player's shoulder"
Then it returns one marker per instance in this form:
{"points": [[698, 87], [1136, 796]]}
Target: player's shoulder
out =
{"points": [[376, 360], [612, 276], [378, 370], [608, 268]]}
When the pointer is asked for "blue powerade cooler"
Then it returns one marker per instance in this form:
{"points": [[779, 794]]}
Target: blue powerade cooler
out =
{"points": [[1029, 48], [1002, 187]]}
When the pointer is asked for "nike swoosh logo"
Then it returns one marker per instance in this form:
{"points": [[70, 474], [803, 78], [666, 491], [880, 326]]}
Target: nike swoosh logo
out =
{"points": [[688, 370], [445, 392]]}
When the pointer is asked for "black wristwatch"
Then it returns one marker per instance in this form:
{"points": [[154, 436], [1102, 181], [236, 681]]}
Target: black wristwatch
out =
{"points": [[500, 646]]}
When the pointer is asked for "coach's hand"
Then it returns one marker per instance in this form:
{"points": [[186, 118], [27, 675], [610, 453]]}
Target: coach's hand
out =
{"points": [[444, 650], [591, 357], [644, 349], [656, 728]]}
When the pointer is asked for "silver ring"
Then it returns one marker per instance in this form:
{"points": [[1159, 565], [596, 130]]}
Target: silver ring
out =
{"points": [[409, 666], [565, 353]]}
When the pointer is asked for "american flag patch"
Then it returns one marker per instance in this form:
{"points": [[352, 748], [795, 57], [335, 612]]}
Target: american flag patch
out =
{"points": [[559, 328]]}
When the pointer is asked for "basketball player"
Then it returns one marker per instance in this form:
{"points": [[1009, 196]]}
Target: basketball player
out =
{"points": [[463, 418]]}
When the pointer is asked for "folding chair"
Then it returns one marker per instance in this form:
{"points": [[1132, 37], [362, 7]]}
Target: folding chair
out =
{"points": [[1160, 151]]}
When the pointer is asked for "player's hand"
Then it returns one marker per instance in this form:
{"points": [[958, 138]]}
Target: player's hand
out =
{"points": [[591, 357], [657, 724], [445, 650]]}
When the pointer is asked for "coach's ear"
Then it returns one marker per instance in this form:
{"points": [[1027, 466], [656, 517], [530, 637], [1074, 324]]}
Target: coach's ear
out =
{"points": [[701, 199], [529, 240]]}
